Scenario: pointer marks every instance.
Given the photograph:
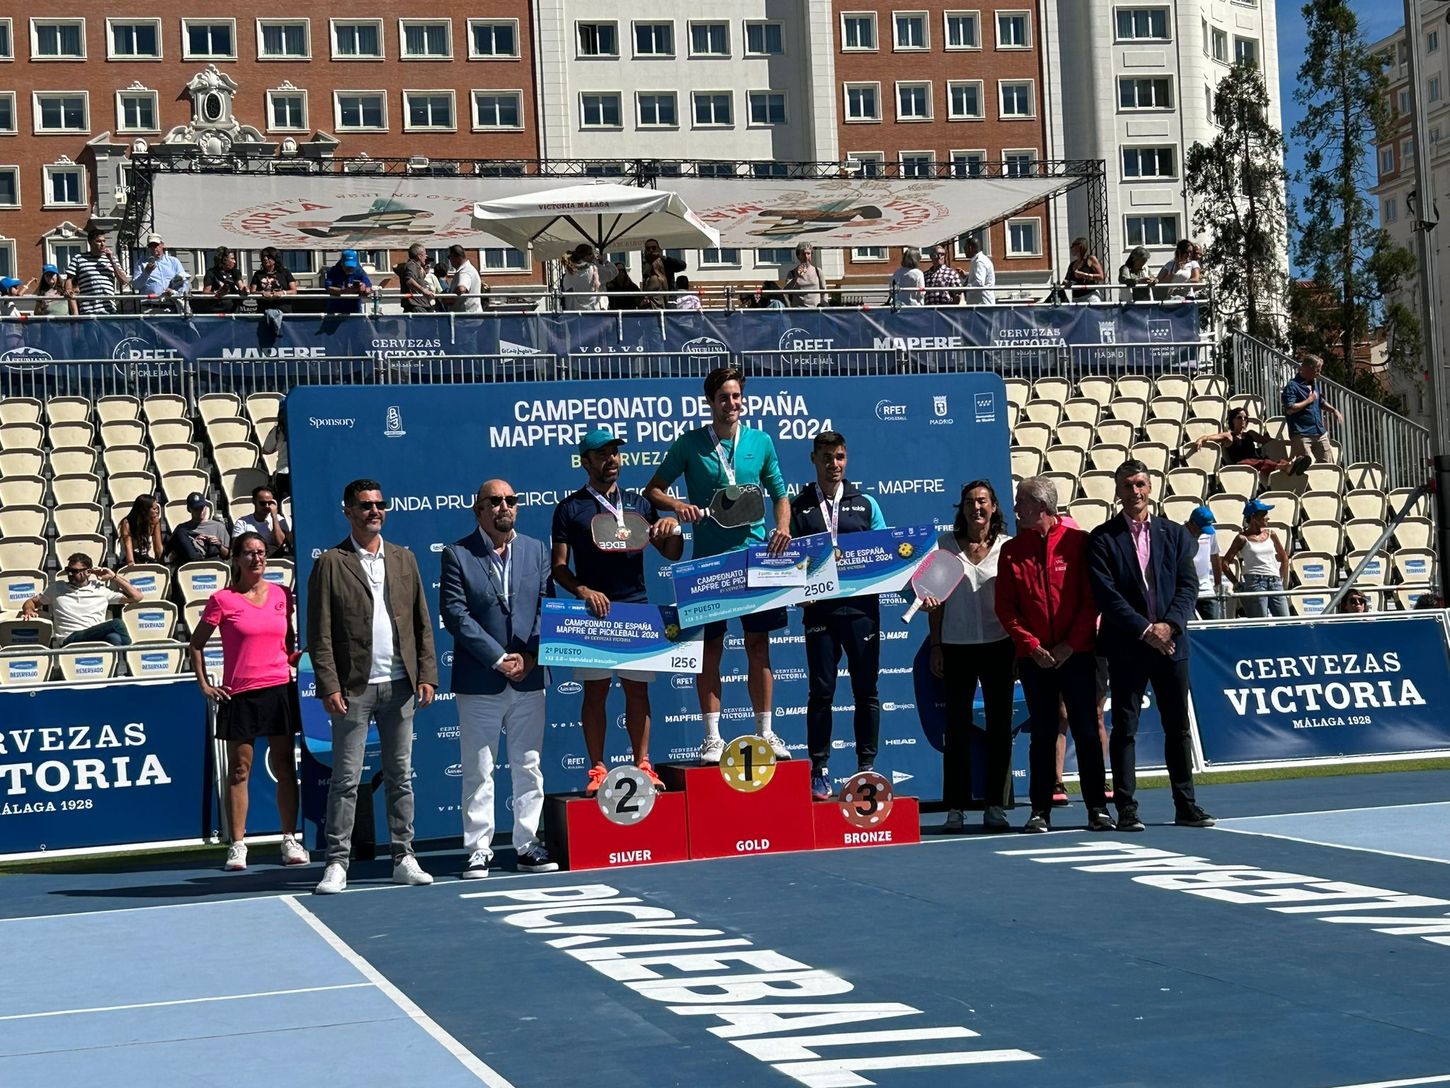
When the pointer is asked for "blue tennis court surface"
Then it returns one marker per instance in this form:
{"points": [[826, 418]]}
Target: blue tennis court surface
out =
{"points": [[1305, 945]]}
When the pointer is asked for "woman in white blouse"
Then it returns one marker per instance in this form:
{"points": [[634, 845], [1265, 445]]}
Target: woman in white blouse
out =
{"points": [[907, 282], [970, 647]]}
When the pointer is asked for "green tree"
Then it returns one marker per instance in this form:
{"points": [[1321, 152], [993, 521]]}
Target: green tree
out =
{"points": [[1236, 185], [1343, 88]]}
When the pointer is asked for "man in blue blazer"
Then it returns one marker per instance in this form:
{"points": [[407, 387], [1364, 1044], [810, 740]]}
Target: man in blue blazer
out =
{"points": [[1146, 587], [489, 598]]}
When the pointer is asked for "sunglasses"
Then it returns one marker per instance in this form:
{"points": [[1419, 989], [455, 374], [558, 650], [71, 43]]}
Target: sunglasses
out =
{"points": [[500, 500], [73, 571], [365, 505]]}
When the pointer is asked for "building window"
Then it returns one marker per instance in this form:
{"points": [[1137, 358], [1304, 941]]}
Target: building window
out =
{"points": [[426, 39], [57, 39], [775, 255], [858, 31], [63, 250], [287, 111], [498, 109], [597, 39], [1402, 102], [1392, 210], [1246, 51], [1432, 89], [1139, 24], [1432, 41], [1145, 94], [918, 164], [769, 170], [712, 108], [489, 39], [1217, 44], [357, 40], [868, 164], [9, 186], [709, 40], [61, 111], [764, 39], [7, 257], [361, 110], [767, 107], [65, 186], [909, 28], [913, 101], [969, 164], [1148, 162], [964, 100], [1151, 230], [654, 39], [428, 111], [136, 39], [963, 29], [1387, 160], [869, 253], [7, 111], [136, 111], [657, 109], [599, 110], [1024, 238], [283, 39], [1019, 163], [7, 40], [209, 40], [502, 260], [1016, 98], [719, 258], [1014, 30], [863, 101]]}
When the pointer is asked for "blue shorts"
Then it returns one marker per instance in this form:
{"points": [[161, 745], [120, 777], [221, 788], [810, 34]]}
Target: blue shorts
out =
{"points": [[757, 623]]}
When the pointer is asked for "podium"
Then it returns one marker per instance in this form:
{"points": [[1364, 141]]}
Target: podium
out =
{"points": [[834, 832], [725, 822], [579, 836]]}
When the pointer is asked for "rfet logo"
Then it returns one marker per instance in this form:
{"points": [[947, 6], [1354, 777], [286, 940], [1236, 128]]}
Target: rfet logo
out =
{"points": [[889, 412]]}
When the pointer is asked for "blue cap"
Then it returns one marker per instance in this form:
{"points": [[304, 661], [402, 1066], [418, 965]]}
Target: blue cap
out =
{"points": [[1202, 517], [9, 283], [1256, 506], [598, 439], [50, 268], [349, 258]]}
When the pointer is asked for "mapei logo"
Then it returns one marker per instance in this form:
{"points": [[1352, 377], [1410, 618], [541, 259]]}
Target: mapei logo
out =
{"points": [[393, 427], [26, 359], [570, 687], [705, 345], [889, 412], [454, 771]]}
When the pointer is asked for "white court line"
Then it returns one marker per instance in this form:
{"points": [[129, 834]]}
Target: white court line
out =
{"points": [[1333, 811], [470, 1061], [1332, 845], [183, 1001], [1400, 1083]]}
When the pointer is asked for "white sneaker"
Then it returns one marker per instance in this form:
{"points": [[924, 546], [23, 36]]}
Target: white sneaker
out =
{"points": [[334, 880], [711, 749], [236, 857], [776, 744], [955, 821], [408, 871], [293, 852], [995, 818]]}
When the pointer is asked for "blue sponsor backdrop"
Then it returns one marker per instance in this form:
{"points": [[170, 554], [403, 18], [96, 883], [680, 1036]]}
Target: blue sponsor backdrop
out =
{"points": [[407, 347], [913, 442], [1367, 686], [102, 765]]}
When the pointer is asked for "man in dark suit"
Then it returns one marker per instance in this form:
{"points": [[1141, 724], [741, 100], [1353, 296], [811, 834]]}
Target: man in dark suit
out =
{"points": [[1146, 587], [371, 642], [489, 595]]}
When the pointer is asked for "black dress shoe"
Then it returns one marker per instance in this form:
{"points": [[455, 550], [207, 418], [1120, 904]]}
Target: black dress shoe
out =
{"points": [[1193, 817], [1128, 819]]}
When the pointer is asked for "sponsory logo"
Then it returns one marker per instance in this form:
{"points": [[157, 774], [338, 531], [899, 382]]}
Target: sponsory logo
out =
{"points": [[454, 770], [1107, 332], [570, 687], [898, 777], [17, 358], [898, 706], [131, 348], [680, 681], [318, 422], [889, 412], [705, 345], [393, 428], [939, 406], [574, 762], [899, 740], [448, 658], [985, 407], [508, 347], [798, 339]]}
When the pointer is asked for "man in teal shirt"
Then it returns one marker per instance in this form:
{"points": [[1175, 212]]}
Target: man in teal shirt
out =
{"points": [[727, 453]]}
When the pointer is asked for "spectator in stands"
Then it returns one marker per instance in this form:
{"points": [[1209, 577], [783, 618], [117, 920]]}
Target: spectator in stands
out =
{"points": [[670, 267], [348, 284], [1355, 602], [655, 285], [769, 296], [266, 521], [52, 286], [1085, 275], [1207, 563], [93, 278], [908, 285], [804, 284], [623, 291], [257, 696], [79, 601], [202, 537], [943, 279], [271, 283], [1134, 274], [276, 443], [1265, 566], [1182, 269], [223, 280], [157, 275], [688, 299], [141, 532], [1304, 407], [981, 274], [971, 648], [466, 285], [9, 292], [1242, 446], [1429, 600], [418, 297], [431, 280], [579, 285]]}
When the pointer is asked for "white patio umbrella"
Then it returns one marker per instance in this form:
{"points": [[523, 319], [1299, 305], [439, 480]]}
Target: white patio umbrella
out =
{"points": [[606, 215]]}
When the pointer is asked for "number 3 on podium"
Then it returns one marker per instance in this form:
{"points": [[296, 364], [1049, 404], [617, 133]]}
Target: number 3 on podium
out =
{"points": [[748, 764]]}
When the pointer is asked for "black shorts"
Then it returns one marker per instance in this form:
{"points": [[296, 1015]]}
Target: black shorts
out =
{"points": [[261, 712], [757, 623], [1102, 673]]}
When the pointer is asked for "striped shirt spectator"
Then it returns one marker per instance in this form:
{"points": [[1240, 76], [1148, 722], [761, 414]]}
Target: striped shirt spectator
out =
{"points": [[94, 277]]}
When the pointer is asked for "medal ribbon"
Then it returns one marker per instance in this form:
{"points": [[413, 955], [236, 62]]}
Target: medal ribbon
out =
{"points": [[831, 509], [617, 511], [728, 467]]}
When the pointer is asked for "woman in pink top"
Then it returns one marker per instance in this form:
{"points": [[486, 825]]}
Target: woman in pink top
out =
{"points": [[257, 696]]}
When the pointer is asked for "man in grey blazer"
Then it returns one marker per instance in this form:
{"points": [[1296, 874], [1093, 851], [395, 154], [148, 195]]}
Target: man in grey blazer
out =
{"points": [[371, 642], [489, 596]]}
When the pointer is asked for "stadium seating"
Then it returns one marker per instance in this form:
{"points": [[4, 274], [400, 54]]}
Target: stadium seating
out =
{"points": [[83, 662], [149, 621], [23, 632], [24, 665], [159, 658]]}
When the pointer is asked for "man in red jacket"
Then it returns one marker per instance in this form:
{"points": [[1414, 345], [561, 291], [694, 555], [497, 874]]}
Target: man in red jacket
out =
{"points": [[1045, 602]]}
